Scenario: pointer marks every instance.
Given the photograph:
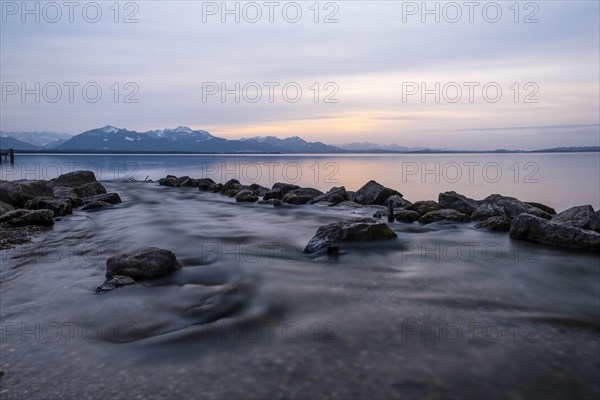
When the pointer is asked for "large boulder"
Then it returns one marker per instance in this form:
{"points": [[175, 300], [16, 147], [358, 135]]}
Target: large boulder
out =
{"points": [[578, 216], [279, 190], [301, 196], [363, 229], [335, 195], [22, 217], [494, 224], [594, 222], [186, 181], [17, 193], [89, 189], [536, 229], [74, 179], [374, 193], [497, 205], [204, 184], [425, 206], [458, 202], [147, 263], [59, 207], [444, 215], [115, 282]]}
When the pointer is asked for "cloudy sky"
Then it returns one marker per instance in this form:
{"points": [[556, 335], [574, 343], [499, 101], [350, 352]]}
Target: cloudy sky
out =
{"points": [[490, 75]]}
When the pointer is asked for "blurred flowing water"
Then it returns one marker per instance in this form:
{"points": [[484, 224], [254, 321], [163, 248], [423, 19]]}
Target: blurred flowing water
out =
{"points": [[443, 311]]}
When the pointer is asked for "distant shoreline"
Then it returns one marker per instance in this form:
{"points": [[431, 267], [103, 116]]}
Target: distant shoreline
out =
{"points": [[349, 152]]}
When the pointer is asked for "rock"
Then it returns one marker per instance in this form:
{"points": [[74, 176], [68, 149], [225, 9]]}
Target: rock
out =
{"points": [[335, 195], [497, 205], [65, 192], [273, 202], [578, 216], [112, 198], [594, 222], [205, 184], [147, 263], [231, 188], [185, 181], [363, 229], [246, 196], [407, 216], [351, 195], [74, 179], [536, 229], [279, 190], [5, 207], [169, 180], [301, 196], [425, 206], [17, 193], [89, 189], [398, 202], [259, 190], [458, 202], [501, 223], [115, 282], [96, 205], [374, 193], [350, 204], [444, 215], [542, 207], [59, 207], [22, 217], [538, 213], [215, 188]]}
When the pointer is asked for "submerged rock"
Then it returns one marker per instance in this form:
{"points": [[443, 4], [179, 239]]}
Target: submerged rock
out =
{"points": [[536, 229], [458, 202], [22, 217], [444, 215], [425, 206], [59, 207], [112, 198], [147, 263], [335, 195], [374, 193], [272, 202], [115, 282], [501, 223], [363, 229], [96, 205]]}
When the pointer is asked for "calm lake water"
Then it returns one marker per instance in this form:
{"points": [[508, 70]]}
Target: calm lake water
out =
{"points": [[560, 180], [443, 311]]}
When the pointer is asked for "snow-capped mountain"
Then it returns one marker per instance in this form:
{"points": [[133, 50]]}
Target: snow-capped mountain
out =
{"points": [[184, 139], [368, 146], [40, 139]]}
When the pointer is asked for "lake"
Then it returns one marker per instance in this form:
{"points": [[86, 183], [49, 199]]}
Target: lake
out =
{"points": [[560, 180], [443, 311]]}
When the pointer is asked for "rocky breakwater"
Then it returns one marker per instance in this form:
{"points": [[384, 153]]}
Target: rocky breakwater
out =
{"points": [[28, 206], [576, 228]]}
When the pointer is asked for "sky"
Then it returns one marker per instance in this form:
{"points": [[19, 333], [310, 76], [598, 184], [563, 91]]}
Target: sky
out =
{"points": [[478, 75]]}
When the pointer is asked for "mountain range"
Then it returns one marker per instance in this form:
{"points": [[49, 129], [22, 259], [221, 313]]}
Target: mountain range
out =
{"points": [[186, 140]]}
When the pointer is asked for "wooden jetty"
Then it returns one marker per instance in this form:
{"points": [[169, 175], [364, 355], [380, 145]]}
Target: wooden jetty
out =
{"points": [[7, 155]]}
